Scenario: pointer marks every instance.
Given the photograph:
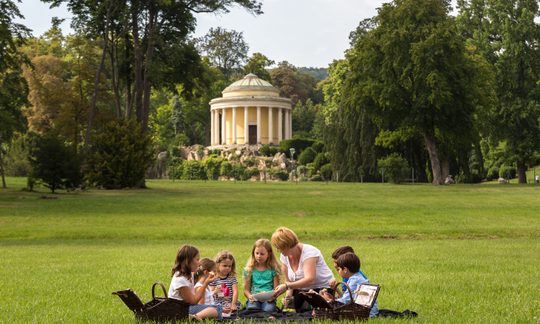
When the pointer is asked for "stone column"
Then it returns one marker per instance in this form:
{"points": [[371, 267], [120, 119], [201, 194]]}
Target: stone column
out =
{"points": [[246, 126], [223, 131], [286, 124], [234, 125], [270, 127], [258, 125], [216, 127], [290, 123], [211, 127], [280, 124]]}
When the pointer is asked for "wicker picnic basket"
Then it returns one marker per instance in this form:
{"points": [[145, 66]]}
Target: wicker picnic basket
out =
{"points": [[338, 311], [159, 309]]}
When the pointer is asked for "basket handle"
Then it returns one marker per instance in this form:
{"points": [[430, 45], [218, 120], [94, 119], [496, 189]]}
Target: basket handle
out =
{"points": [[348, 289], [162, 287]]}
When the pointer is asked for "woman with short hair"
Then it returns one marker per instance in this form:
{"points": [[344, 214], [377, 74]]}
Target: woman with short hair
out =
{"points": [[303, 267]]}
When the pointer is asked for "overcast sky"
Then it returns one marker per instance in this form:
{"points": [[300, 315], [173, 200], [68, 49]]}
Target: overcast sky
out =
{"points": [[302, 32]]}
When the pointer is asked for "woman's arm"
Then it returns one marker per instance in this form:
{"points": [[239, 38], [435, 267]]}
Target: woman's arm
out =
{"points": [[310, 274], [280, 289]]}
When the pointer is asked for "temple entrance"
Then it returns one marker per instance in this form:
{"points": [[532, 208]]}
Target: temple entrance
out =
{"points": [[252, 134]]}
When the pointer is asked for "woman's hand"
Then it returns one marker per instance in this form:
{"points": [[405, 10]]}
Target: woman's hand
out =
{"points": [[251, 298], [280, 289]]}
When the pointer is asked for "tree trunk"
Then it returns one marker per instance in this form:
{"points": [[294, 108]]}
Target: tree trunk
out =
{"points": [[2, 169], [147, 66], [433, 152], [92, 110], [115, 77], [521, 171], [138, 63], [445, 169]]}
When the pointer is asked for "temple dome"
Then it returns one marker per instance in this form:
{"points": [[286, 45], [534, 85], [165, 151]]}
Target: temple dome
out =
{"points": [[250, 85]]}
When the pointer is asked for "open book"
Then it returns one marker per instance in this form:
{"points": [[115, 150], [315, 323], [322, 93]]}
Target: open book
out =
{"points": [[365, 295]]}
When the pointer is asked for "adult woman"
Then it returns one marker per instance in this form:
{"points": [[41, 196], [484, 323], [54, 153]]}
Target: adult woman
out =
{"points": [[303, 267]]}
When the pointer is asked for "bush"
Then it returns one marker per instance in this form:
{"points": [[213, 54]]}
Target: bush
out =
{"points": [[299, 144], [238, 171], [268, 150], [193, 170], [307, 156], [278, 174], [55, 164], [395, 167], [251, 172], [507, 172], [320, 160], [212, 166], [318, 147], [250, 162], [119, 156], [176, 168], [16, 161], [326, 172], [493, 173], [226, 168]]}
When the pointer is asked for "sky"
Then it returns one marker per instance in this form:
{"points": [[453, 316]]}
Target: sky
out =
{"points": [[309, 33]]}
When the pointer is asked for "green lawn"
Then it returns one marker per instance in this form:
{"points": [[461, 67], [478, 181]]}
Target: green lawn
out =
{"points": [[463, 253]]}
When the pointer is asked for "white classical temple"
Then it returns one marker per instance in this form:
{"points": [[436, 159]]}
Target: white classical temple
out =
{"points": [[250, 112]]}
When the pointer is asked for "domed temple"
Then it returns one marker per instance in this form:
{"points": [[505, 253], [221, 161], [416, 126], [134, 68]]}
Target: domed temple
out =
{"points": [[250, 112]]}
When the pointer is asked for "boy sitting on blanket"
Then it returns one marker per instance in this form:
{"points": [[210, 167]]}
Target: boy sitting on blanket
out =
{"points": [[348, 267]]}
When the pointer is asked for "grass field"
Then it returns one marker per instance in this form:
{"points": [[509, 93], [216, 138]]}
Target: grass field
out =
{"points": [[462, 253]]}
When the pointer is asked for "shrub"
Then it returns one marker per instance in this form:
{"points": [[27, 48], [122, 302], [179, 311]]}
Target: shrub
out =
{"points": [[326, 172], [279, 174], [507, 172], [320, 160], [212, 166], [250, 162], [493, 173], [316, 177], [318, 146], [226, 168], [251, 172], [268, 150], [193, 170], [238, 171], [119, 156], [395, 167], [16, 159], [175, 167], [307, 156], [55, 164], [299, 144]]}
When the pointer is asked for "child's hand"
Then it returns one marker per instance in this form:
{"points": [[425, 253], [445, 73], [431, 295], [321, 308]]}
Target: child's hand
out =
{"points": [[251, 298], [332, 283], [209, 278]]}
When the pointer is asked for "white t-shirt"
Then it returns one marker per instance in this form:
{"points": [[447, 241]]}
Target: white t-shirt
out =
{"points": [[208, 296], [177, 282], [322, 272]]}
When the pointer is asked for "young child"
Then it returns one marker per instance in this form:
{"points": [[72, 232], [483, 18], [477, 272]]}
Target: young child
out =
{"points": [[207, 267], [225, 287], [261, 275], [348, 267], [335, 255], [182, 287]]}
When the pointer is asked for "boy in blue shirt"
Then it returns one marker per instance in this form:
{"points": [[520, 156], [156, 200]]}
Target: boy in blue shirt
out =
{"points": [[348, 267]]}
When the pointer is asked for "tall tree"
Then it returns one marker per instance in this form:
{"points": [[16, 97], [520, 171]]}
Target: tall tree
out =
{"points": [[293, 84], [13, 88], [258, 64], [145, 41], [411, 71], [225, 49], [508, 33]]}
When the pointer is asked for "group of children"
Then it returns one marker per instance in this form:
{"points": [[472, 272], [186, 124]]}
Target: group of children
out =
{"points": [[211, 288]]}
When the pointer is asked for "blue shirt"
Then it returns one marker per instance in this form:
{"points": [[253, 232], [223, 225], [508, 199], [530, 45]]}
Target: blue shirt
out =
{"points": [[354, 282]]}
